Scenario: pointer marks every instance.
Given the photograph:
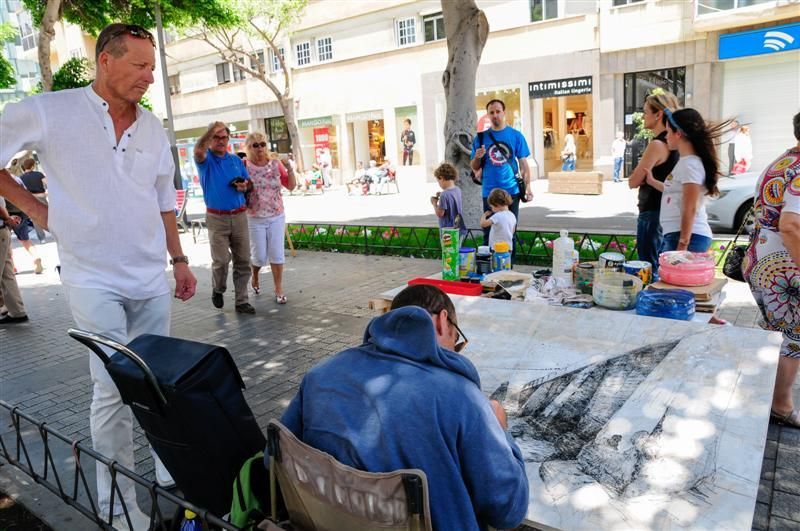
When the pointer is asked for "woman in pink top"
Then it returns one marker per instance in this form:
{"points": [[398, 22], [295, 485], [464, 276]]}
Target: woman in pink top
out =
{"points": [[265, 214]]}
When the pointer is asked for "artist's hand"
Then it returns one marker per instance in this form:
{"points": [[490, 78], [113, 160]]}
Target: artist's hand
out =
{"points": [[185, 282], [500, 413]]}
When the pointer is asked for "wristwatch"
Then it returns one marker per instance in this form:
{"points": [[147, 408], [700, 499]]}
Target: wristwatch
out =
{"points": [[178, 259]]}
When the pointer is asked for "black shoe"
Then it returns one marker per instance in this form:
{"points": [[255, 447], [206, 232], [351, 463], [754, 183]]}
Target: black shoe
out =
{"points": [[7, 319], [217, 300], [245, 308]]}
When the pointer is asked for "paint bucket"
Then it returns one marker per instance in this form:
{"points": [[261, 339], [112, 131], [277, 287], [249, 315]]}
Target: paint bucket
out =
{"points": [[483, 260], [466, 261], [612, 261], [641, 269]]}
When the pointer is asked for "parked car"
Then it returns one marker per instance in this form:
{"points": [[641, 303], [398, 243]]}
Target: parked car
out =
{"points": [[728, 209]]}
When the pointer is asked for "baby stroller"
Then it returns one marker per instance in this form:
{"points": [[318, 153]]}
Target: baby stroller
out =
{"points": [[187, 396]]}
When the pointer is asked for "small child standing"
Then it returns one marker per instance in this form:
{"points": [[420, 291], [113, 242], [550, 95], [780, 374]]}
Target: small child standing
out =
{"points": [[447, 203], [500, 219]]}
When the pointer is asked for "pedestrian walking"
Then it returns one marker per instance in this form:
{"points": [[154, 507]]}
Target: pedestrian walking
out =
{"points": [[13, 309], [618, 154], [742, 150], [112, 266], [36, 183], [225, 180]]}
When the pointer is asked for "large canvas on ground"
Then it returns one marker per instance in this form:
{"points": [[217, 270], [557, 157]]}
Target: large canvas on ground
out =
{"points": [[628, 422]]}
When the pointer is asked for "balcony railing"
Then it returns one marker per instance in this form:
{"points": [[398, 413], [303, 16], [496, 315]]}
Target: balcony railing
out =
{"points": [[709, 7]]}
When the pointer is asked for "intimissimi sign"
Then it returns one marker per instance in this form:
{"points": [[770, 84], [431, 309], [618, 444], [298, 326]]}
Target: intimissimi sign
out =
{"points": [[572, 86]]}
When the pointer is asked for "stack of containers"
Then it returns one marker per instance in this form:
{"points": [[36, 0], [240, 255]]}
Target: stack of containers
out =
{"points": [[614, 290], [684, 268]]}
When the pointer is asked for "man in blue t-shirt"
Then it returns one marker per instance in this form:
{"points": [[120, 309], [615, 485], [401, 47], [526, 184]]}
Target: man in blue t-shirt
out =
{"points": [[501, 152], [224, 180]]}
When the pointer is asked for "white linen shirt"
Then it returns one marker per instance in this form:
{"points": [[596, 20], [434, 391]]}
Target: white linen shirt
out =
{"points": [[105, 198]]}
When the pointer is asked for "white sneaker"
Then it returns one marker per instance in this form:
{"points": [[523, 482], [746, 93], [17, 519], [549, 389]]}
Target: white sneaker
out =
{"points": [[139, 520], [163, 477]]}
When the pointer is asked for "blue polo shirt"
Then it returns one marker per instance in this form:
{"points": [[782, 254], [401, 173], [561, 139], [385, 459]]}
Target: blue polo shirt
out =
{"points": [[216, 174]]}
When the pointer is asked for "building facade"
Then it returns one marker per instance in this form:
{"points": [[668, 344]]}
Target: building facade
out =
{"points": [[580, 67]]}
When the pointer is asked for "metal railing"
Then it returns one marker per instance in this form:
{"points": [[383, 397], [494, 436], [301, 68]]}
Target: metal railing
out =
{"points": [[70, 483], [533, 247]]}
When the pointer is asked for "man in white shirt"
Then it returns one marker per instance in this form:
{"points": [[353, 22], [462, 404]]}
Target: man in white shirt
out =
{"points": [[618, 153], [112, 198]]}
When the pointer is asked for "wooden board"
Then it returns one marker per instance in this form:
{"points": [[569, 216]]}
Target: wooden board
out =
{"points": [[701, 293], [575, 182], [570, 188]]}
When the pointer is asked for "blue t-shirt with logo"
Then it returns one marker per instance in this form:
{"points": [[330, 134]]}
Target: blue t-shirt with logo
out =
{"points": [[500, 163], [216, 174]]}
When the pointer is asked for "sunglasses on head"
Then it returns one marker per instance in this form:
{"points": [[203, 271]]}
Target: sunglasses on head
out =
{"points": [[132, 30], [259, 144], [461, 340]]}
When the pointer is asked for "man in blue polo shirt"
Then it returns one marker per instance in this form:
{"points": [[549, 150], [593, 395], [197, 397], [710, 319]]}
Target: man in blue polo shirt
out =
{"points": [[224, 180], [501, 151]]}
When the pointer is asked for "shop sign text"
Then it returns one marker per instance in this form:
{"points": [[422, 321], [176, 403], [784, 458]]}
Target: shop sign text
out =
{"points": [[572, 86]]}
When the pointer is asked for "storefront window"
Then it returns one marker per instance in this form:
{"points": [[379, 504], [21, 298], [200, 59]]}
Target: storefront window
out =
{"points": [[377, 141], [278, 135], [639, 84], [706, 7]]}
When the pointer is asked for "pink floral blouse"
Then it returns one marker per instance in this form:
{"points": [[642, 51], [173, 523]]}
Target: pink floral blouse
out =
{"points": [[264, 200]]}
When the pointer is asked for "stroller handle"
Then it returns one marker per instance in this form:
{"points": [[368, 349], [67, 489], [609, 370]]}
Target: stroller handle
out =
{"points": [[91, 340]]}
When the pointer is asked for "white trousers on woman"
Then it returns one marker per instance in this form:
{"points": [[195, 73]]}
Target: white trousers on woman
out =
{"points": [[111, 421], [267, 240]]}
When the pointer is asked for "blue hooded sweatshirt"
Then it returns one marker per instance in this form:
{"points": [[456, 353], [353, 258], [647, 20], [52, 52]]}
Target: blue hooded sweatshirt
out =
{"points": [[402, 401]]}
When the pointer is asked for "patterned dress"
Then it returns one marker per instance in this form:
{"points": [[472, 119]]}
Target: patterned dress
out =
{"points": [[773, 276]]}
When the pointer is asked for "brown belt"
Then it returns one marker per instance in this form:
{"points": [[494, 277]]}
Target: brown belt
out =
{"points": [[226, 212]]}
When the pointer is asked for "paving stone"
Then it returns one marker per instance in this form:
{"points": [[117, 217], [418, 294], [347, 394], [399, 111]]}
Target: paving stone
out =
{"points": [[785, 505], [771, 450], [764, 491], [773, 432], [790, 436], [787, 480], [761, 517], [782, 524], [788, 457]]}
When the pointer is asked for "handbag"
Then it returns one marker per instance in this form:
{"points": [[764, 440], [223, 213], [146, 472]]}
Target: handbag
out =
{"points": [[732, 268], [523, 190]]}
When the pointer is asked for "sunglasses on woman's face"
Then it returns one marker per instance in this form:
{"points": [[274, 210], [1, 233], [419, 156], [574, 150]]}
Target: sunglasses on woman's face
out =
{"points": [[259, 144]]}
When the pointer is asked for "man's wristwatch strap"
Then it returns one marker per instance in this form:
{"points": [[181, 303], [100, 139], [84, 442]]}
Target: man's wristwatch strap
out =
{"points": [[179, 259]]}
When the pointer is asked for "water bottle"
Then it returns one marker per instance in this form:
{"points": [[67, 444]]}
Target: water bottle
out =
{"points": [[563, 258], [190, 522]]}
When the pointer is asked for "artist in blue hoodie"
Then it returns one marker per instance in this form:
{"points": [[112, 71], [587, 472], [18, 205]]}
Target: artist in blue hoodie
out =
{"points": [[405, 399]]}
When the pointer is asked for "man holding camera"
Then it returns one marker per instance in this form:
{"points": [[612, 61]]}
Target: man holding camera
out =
{"points": [[224, 180]]}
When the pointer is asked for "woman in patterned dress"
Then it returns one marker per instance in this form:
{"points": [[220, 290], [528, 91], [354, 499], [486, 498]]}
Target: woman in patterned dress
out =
{"points": [[771, 268], [265, 214]]}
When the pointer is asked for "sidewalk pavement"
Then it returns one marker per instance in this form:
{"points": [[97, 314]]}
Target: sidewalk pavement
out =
{"points": [[46, 373]]}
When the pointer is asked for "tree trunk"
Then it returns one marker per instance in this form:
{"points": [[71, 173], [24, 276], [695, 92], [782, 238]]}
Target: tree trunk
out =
{"points": [[46, 34], [466, 28], [287, 105]]}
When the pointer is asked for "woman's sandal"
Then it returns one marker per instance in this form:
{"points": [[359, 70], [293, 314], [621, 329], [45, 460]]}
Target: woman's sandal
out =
{"points": [[280, 299], [788, 419], [256, 288]]}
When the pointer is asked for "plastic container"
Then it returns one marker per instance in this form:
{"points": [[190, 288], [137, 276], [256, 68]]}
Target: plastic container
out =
{"points": [[614, 290], [501, 259], [612, 260], [684, 268], [190, 522], [639, 268], [563, 257], [667, 303], [450, 286], [466, 261], [483, 260], [450, 256], [584, 276]]}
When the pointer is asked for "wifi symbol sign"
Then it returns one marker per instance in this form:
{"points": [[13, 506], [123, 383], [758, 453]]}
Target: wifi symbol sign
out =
{"points": [[777, 40]]}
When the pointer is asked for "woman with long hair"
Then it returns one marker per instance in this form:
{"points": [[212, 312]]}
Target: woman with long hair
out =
{"points": [[265, 214], [772, 268], [658, 159], [684, 220], [569, 153]]}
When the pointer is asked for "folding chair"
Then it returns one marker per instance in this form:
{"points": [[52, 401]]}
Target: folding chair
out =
{"points": [[322, 494], [180, 209]]}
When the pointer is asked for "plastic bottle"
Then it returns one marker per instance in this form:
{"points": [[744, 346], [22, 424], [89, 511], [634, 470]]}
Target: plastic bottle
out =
{"points": [[563, 258], [501, 260], [190, 522]]}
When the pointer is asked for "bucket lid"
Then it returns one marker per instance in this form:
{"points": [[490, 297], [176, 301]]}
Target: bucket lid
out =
{"points": [[467, 250], [484, 249], [501, 247]]}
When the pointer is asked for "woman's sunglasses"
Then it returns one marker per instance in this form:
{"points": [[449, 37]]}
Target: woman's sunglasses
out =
{"points": [[259, 144]]}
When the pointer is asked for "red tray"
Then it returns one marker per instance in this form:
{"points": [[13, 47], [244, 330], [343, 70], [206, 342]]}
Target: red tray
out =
{"points": [[450, 286]]}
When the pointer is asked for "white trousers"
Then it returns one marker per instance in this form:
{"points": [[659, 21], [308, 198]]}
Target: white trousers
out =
{"points": [[111, 422], [267, 240]]}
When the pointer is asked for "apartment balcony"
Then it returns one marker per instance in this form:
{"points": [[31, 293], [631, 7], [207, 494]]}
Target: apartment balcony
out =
{"points": [[643, 24], [717, 15]]}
